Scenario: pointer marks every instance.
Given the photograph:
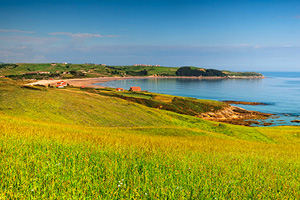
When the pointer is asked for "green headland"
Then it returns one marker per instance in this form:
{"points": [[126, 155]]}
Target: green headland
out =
{"points": [[66, 70]]}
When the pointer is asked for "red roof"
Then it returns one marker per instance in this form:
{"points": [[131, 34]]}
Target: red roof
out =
{"points": [[61, 83], [135, 89]]}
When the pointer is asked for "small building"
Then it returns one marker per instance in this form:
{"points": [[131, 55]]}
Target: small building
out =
{"points": [[135, 89], [119, 89], [60, 86], [44, 72], [82, 71], [62, 83]]}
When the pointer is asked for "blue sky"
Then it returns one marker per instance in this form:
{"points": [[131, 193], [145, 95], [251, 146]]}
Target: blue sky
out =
{"points": [[236, 35]]}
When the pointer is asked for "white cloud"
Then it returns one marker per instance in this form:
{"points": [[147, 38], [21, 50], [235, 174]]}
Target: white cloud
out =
{"points": [[83, 35], [17, 31], [61, 33], [31, 40]]}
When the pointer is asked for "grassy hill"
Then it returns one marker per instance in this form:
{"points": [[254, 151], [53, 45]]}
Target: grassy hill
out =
{"points": [[70, 143], [91, 69], [60, 70]]}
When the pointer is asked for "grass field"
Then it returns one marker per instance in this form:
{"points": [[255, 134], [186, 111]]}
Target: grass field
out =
{"points": [[18, 70], [96, 70], [70, 144]]}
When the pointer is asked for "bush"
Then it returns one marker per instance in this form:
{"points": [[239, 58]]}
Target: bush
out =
{"points": [[188, 71]]}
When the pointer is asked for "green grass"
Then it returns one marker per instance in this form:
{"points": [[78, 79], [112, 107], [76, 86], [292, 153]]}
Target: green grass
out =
{"points": [[183, 105], [98, 70], [135, 94], [62, 144]]}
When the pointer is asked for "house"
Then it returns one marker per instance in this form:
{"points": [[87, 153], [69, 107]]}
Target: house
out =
{"points": [[119, 89], [82, 71], [60, 86], [53, 64], [44, 72], [61, 83], [135, 89]]}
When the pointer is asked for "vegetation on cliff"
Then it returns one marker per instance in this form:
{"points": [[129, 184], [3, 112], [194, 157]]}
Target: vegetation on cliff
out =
{"points": [[188, 71], [206, 109], [64, 70], [193, 71]]}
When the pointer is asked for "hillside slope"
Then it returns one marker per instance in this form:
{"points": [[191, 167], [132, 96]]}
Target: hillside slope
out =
{"points": [[73, 144]]}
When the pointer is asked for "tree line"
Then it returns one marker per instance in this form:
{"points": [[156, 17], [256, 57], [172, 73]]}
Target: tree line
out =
{"points": [[188, 71]]}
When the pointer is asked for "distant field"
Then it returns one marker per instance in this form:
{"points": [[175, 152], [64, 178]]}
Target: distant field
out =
{"points": [[62, 144], [90, 69], [20, 71]]}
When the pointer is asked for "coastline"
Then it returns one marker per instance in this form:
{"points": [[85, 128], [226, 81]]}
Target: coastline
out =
{"points": [[232, 115], [89, 82], [86, 82]]}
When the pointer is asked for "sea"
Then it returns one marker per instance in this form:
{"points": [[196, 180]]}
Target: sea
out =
{"points": [[280, 91]]}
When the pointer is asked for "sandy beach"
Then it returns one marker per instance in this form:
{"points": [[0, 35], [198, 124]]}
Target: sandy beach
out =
{"points": [[89, 82]]}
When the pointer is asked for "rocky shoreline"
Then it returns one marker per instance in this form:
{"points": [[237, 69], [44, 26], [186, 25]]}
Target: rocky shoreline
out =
{"points": [[245, 103], [237, 116]]}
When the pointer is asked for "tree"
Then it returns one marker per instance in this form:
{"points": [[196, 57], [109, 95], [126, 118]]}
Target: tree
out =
{"points": [[214, 72], [188, 71], [184, 71]]}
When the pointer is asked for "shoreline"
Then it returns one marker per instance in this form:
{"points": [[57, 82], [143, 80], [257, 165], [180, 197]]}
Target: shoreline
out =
{"points": [[234, 115], [89, 82]]}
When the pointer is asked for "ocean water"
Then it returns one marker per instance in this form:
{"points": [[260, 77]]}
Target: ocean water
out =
{"points": [[280, 90]]}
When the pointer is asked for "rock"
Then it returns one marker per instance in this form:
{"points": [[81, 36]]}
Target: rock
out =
{"points": [[267, 123], [296, 121], [237, 116], [245, 103]]}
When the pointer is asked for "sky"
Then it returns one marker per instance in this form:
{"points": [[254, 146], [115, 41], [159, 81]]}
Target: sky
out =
{"points": [[240, 35]]}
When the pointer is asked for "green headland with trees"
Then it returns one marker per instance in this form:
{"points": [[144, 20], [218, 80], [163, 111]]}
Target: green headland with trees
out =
{"points": [[89, 70]]}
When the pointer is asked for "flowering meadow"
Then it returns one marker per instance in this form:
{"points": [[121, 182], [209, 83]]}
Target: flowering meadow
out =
{"points": [[70, 144]]}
